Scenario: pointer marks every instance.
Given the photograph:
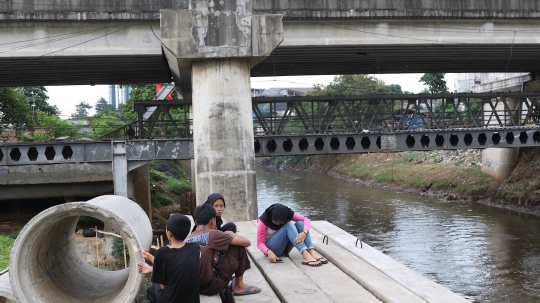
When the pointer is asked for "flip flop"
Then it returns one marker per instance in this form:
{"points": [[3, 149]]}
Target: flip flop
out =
{"points": [[247, 292], [325, 261], [311, 263]]}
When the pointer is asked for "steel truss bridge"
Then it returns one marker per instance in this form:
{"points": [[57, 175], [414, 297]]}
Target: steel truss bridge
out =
{"points": [[317, 125]]}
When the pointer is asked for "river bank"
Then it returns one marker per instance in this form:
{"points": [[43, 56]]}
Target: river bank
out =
{"points": [[446, 175]]}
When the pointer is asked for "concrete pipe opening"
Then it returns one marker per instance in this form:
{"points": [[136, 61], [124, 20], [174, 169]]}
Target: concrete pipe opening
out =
{"points": [[46, 266]]}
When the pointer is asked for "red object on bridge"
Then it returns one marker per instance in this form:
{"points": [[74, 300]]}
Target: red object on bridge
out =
{"points": [[169, 96]]}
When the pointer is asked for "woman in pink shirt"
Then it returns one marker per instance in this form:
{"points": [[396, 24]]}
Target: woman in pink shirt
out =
{"points": [[276, 235]]}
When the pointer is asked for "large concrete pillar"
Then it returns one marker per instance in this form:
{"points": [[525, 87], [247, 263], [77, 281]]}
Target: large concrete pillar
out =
{"points": [[218, 42], [223, 135], [500, 162]]}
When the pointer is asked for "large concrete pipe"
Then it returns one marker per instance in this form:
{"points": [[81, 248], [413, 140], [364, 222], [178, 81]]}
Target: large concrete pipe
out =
{"points": [[45, 265], [5, 288]]}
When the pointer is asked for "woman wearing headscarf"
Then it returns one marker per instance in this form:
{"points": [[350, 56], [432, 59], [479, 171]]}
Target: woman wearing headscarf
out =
{"points": [[218, 202], [276, 235]]}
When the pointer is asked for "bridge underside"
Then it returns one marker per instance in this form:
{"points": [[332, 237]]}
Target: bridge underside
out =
{"points": [[286, 61], [83, 70]]}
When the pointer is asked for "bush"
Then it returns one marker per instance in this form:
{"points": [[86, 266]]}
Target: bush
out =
{"points": [[14, 234], [118, 249], [6, 243]]}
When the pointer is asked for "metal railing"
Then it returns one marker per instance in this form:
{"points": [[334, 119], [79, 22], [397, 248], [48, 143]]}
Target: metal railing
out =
{"points": [[356, 114]]}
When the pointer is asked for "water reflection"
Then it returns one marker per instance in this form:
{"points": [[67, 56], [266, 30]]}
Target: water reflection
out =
{"points": [[482, 253]]}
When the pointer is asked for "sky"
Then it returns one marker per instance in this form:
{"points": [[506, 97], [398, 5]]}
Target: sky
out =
{"points": [[66, 97]]}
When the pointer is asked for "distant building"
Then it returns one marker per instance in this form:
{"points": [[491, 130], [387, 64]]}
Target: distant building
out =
{"points": [[257, 92], [118, 94], [485, 82], [280, 107], [284, 92]]}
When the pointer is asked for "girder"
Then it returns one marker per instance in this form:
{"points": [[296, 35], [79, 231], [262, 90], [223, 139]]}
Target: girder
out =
{"points": [[278, 145]]}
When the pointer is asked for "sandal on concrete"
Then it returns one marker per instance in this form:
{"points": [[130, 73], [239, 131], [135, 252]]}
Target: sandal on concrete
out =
{"points": [[312, 263], [248, 291], [323, 260]]}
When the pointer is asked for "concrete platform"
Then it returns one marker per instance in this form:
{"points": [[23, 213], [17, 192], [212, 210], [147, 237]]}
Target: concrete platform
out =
{"points": [[354, 273]]}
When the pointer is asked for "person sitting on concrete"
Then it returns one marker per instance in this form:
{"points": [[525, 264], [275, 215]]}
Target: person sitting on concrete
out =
{"points": [[276, 235], [215, 275], [175, 275], [217, 201]]}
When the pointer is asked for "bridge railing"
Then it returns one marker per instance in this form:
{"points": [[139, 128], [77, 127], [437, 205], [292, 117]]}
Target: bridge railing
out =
{"points": [[355, 114], [330, 114]]}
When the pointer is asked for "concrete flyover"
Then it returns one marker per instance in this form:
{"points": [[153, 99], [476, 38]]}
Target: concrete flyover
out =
{"points": [[46, 267], [50, 43]]}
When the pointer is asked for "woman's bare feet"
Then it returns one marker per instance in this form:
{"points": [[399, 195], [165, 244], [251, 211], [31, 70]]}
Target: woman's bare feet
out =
{"points": [[309, 259]]}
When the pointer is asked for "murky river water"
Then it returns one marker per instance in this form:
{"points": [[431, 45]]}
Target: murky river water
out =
{"points": [[482, 253]]}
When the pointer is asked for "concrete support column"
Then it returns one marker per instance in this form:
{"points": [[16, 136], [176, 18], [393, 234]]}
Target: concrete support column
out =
{"points": [[141, 188], [122, 179], [223, 135], [500, 162]]}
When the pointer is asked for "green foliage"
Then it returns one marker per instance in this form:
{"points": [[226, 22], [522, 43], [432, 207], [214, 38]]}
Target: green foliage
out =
{"points": [[435, 82], [384, 177], [168, 183], [14, 110], [102, 105], [14, 234], [37, 97], [6, 243], [395, 89], [353, 85], [178, 186], [118, 249], [81, 110], [53, 127], [105, 122]]}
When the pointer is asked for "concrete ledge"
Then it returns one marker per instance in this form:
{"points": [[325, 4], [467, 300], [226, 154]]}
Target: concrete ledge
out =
{"points": [[254, 277], [408, 278], [288, 282]]}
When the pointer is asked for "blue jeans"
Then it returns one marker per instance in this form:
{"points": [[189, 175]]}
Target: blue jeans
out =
{"points": [[282, 242]]}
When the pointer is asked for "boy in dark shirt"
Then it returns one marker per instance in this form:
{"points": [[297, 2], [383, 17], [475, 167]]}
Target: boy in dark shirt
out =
{"points": [[175, 275], [216, 274]]}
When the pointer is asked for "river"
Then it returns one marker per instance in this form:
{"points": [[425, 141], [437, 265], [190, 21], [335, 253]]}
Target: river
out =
{"points": [[484, 254]]}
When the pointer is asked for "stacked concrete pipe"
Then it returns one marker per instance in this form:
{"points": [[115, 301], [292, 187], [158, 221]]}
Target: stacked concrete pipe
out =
{"points": [[45, 265]]}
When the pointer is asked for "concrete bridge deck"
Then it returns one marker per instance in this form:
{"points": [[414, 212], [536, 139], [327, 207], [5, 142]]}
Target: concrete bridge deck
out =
{"points": [[69, 43]]}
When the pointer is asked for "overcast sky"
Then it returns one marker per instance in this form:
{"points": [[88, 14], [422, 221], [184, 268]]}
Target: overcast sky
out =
{"points": [[66, 97]]}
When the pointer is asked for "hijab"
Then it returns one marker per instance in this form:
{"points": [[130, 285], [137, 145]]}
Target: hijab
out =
{"points": [[210, 200], [278, 212]]}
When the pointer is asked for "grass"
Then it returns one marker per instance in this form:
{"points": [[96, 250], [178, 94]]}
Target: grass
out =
{"points": [[6, 243]]}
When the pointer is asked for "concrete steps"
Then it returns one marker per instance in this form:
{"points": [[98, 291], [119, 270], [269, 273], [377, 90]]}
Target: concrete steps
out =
{"points": [[354, 274]]}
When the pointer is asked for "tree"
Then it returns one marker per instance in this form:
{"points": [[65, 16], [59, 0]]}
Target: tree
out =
{"points": [[352, 85], [15, 112], [102, 105], [396, 89], [37, 96], [105, 122], [81, 110], [435, 82], [53, 127]]}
